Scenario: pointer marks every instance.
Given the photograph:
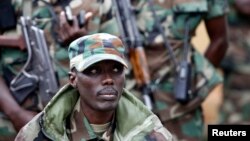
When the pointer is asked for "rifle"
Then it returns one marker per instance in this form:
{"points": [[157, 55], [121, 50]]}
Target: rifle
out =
{"points": [[132, 40], [182, 81], [38, 74]]}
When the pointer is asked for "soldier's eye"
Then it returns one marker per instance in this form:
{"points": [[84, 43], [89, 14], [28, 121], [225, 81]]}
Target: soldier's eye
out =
{"points": [[118, 68], [92, 71]]}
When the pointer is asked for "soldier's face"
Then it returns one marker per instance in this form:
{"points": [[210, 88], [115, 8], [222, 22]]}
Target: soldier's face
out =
{"points": [[101, 85]]}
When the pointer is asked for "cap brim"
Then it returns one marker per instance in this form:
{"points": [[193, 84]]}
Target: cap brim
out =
{"points": [[83, 64]]}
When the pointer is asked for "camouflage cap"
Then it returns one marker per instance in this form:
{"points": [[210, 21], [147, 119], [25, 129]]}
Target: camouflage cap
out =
{"points": [[90, 49]]}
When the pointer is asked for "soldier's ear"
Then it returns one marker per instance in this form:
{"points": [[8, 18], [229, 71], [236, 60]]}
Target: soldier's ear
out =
{"points": [[72, 78]]}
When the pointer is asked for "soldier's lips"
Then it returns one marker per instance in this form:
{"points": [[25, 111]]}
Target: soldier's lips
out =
{"points": [[108, 94], [108, 97]]}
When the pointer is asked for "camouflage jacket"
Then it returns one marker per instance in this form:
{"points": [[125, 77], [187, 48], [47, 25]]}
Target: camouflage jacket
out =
{"points": [[174, 16], [134, 122]]}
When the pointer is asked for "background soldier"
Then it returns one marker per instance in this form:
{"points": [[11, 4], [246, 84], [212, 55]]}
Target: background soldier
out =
{"points": [[13, 116], [14, 56], [235, 108], [185, 121]]}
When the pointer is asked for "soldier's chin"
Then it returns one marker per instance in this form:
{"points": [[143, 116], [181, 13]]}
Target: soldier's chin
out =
{"points": [[108, 106]]}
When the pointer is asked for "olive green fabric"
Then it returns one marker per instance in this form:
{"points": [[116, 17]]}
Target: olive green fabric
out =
{"points": [[133, 120]]}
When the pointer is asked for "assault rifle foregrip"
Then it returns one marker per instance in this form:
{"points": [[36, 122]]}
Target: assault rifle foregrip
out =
{"points": [[141, 73], [139, 64], [131, 38]]}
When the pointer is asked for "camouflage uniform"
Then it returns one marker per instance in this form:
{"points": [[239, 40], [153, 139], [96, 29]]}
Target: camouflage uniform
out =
{"points": [[126, 123], [173, 14], [185, 122], [102, 21], [58, 120], [11, 62], [236, 66]]}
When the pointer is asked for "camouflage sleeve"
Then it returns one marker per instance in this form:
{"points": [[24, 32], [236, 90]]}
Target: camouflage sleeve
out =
{"points": [[207, 76], [160, 133], [45, 20], [154, 131], [43, 17], [30, 131], [102, 20], [216, 8]]}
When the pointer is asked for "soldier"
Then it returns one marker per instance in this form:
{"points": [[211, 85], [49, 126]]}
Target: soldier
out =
{"points": [[95, 105], [60, 29], [235, 108], [13, 57], [12, 116], [173, 16], [185, 121]]}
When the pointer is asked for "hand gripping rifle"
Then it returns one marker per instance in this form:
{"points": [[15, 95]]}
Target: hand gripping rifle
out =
{"points": [[38, 74], [131, 38]]}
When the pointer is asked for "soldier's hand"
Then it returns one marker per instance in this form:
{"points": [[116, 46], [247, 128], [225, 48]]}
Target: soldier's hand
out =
{"points": [[22, 117], [67, 33], [21, 42]]}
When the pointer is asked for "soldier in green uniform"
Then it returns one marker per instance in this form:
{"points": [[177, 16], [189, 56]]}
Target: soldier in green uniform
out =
{"points": [[13, 57], [94, 105], [184, 121], [236, 66], [12, 116]]}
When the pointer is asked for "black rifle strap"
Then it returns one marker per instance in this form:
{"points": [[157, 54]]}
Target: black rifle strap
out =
{"points": [[186, 41]]}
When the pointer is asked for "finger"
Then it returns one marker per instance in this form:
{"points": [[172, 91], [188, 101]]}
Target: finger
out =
{"points": [[75, 24], [62, 18], [88, 16], [73, 28], [64, 25]]}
